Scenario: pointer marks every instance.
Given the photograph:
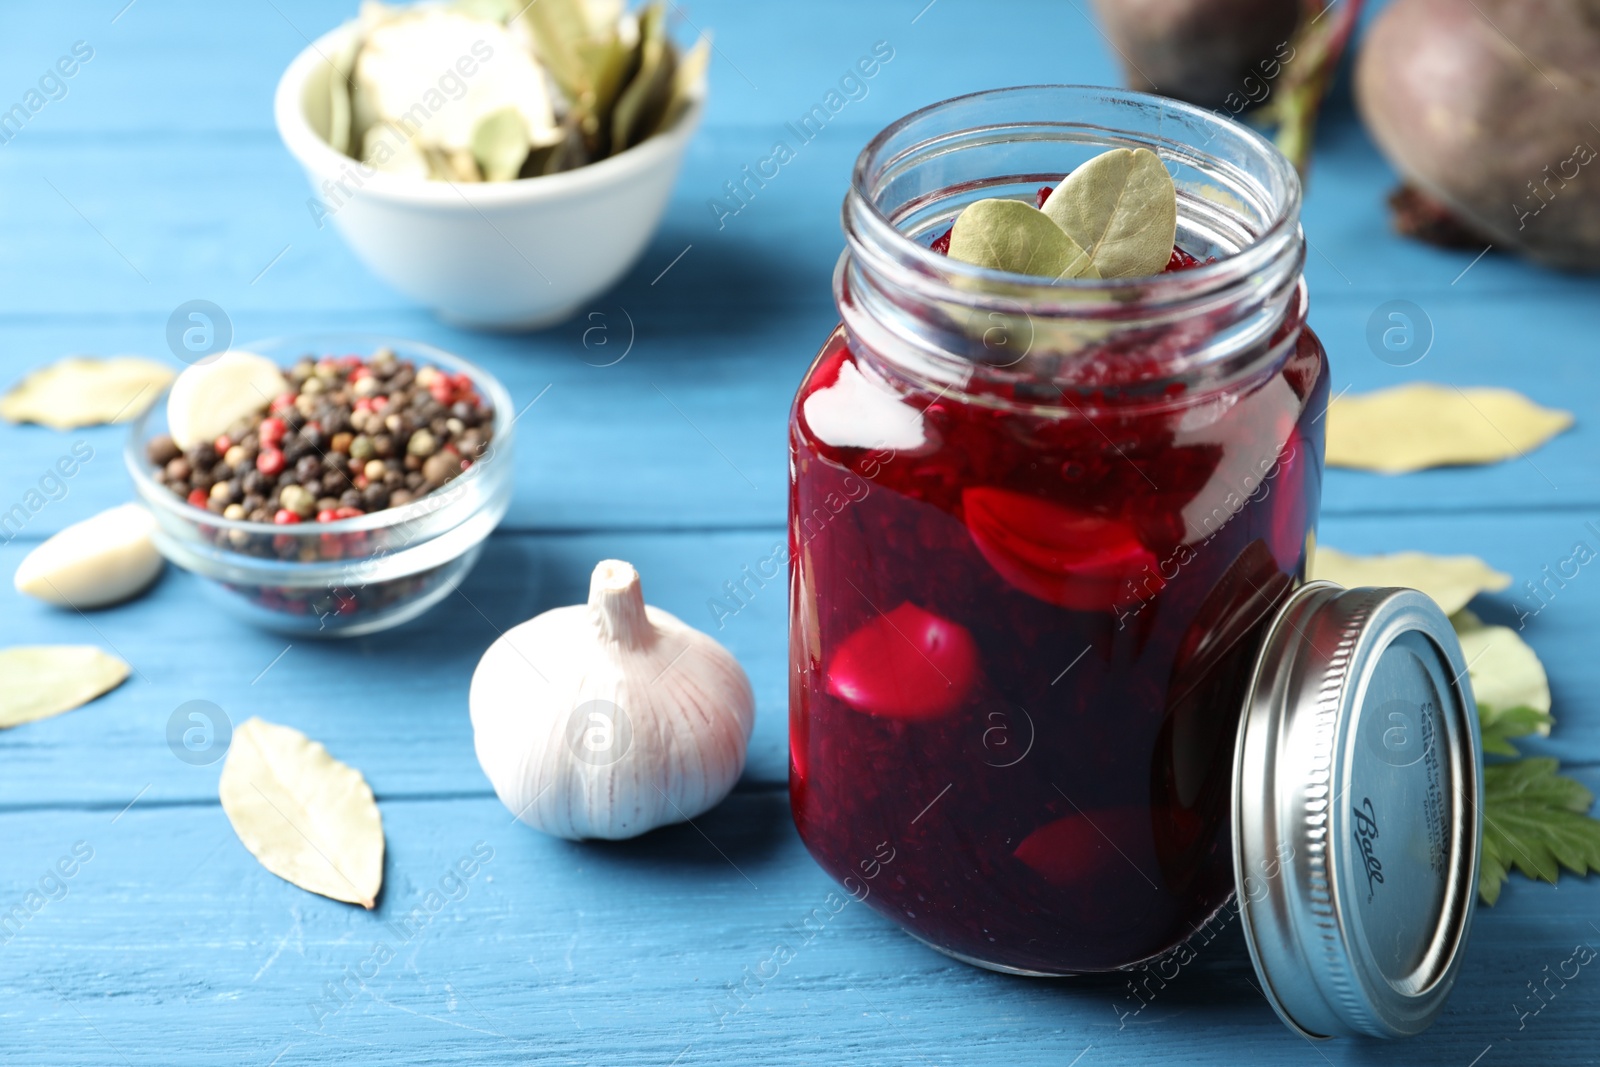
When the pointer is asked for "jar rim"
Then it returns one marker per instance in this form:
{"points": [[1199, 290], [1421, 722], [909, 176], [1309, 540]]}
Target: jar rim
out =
{"points": [[940, 276]]}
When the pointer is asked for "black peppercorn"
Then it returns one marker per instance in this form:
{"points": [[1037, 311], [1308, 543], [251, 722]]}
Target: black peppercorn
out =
{"points": [[161, 450]]}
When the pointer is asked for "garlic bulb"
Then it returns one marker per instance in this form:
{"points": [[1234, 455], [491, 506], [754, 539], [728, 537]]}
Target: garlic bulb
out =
{"points": [[609, 719]]}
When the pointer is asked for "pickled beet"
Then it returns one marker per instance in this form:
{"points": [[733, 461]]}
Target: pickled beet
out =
{"points": [[907, 664], [1040, 719]]}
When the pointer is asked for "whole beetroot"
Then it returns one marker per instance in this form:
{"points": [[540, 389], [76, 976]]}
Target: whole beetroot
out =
{"points": [[1486, 107], [1201, 50]]}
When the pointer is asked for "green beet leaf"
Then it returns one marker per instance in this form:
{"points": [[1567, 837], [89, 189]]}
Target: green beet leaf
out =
{"points": [[1534, 821], [1122, 209], [1500, 725], [1012, 236]]}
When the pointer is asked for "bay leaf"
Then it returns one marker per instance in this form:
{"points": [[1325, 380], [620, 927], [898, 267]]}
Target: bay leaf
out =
{"points": [[84, 391], [1504, 669], [568, 152], [609, 64], [38, 681], [1122, 209], [688, 83], [387, 148], [451, 166], [559, 28], [1451, 581], [308, 818], [488, 10], [1414, 427], [342, 135], [500, 143], [1012, 236], [648, 94]]}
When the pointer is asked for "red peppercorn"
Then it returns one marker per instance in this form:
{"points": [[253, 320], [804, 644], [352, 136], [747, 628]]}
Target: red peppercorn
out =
{"points": [[350, 360], [364, 404], [282, 402], [199, 497], [442, 390], [327, 515], [348, 512], [222, 443], [285, 517], [271, 431], [270, 462]]}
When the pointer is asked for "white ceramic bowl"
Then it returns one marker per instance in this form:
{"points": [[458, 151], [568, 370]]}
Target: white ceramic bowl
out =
{"points": [[495, 255]]}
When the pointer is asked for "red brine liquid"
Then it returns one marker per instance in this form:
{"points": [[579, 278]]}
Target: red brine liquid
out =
{"points": [[1020, 634]]}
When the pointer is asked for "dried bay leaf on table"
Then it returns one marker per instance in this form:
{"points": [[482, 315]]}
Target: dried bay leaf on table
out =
{"points": [[1122, 209], [37, 681], [85, 391], [1450, 580], [1414, 427], [1508, 681], [1012, 236], [308, 818]]}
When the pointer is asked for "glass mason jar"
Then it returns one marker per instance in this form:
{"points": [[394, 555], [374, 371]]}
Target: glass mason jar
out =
{"points": [[1036, 529]]}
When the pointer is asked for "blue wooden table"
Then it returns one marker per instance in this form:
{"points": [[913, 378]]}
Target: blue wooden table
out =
{"points": [[158, 178]]}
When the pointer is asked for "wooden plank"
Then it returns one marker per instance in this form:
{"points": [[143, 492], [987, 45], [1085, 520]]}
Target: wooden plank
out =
{"points": [[408, 730], [735, 322], [645, 952]]}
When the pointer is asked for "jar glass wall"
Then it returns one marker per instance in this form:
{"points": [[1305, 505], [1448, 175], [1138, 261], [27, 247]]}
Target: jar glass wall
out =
{"points": [[1035, 531]]}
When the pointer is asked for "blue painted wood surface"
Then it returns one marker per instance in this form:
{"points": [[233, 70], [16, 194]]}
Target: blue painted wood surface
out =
{"points": [[158, 178]]}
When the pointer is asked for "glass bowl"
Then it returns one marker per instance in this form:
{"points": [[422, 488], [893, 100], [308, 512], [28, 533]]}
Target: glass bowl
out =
{"points": [[352, 576]]}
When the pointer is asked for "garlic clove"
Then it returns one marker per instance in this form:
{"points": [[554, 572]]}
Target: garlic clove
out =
{"points": [[611, 718], [99, 561], [210, 397]]}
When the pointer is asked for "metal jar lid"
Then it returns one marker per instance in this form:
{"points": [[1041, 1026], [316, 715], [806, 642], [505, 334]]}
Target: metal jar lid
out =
{"points": [[1356, 811]]}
